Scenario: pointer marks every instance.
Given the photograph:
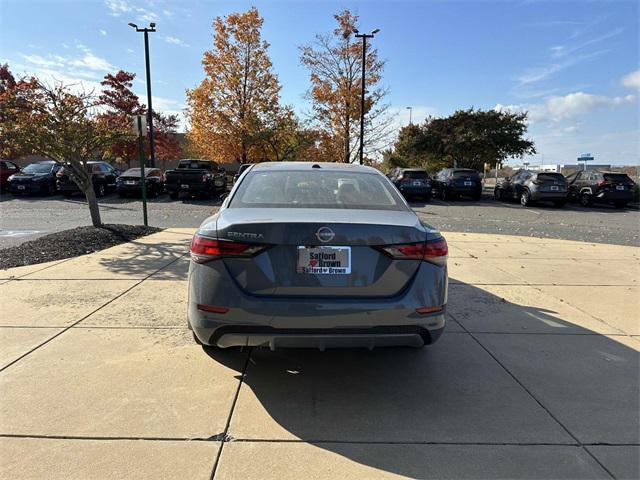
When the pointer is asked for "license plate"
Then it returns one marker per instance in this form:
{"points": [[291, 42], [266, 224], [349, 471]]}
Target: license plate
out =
{"points": [[619, 187], [555, 187], [417, 183], [324, 260], [130, 182], [21, 187], [184, 186], [468, 184]]}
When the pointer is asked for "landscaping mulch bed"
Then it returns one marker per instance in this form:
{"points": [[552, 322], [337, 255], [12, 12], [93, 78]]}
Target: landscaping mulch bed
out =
{"points": [[71, 243]]}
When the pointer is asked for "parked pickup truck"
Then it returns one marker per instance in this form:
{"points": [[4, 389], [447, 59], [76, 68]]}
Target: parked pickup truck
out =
{"points": [[196, 177]]}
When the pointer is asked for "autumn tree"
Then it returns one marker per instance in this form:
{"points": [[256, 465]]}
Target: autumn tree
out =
{"points": [[121, 105], [166, 141], [231, 107], [334, 62], [56, 123]]}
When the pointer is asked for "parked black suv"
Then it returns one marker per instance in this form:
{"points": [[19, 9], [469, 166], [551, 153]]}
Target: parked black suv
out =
{"points": [[129, 182], [35, 178], [103, 177], [452, 183], [600, 187], [412, 182], [529, 187], [196, 177]]}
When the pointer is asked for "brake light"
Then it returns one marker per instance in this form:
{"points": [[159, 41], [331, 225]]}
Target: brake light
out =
{"points": [[601, 183], [206, 249], [435, 251]]}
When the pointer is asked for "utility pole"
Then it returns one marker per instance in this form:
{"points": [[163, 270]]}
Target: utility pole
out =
{"points": [[364, 37], [410, 112], [152, 147]]}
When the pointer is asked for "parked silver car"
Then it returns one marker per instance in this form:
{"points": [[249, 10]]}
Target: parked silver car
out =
{"points": [[316, 255]]}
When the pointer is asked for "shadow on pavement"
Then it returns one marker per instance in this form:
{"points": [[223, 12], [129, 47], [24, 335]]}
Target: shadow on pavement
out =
{"points": [[163, 260], [489, 395]]}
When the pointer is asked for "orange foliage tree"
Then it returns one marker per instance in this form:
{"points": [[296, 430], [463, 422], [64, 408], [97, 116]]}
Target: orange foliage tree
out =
{"points": [[335, 65], [231, 110]]}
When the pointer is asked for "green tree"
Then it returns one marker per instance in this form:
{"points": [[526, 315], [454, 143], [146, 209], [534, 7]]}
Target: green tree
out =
{"points": [[468, 138]]}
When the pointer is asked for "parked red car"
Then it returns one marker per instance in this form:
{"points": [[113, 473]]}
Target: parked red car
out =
{"points": [[7, 169]]}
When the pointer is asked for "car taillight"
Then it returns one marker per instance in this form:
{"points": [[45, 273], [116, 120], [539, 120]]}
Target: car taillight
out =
{"points": [[206, 249], [60, 174], [434, 251], [601, 183]]}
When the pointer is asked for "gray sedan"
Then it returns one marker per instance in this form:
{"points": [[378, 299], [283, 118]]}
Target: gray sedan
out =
{"points": [[316, 255]]}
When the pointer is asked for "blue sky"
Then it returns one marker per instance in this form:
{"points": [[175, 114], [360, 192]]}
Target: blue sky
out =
{"points": [[573, 65]]}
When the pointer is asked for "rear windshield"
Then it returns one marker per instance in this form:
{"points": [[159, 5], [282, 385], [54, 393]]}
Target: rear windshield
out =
{"points": [[194, 165], [557, 177], [618, 178], [465, 173], [38, 168], [416, 174], [314, 189]]}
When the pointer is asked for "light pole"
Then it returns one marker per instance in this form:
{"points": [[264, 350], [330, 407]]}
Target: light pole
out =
{"points": [[151, 28], [364, 37], [410, 112]]}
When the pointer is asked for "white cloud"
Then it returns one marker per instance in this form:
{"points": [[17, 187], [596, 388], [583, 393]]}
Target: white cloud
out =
{"points": [[537, 74], [577, 104], [92, 62], [566, 50], [103, 32], [175, 41], [632, 80], [118, 7], [44, 62]]}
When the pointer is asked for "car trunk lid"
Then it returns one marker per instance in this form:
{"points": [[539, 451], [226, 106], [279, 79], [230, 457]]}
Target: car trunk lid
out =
{"points": [[295, 235]]}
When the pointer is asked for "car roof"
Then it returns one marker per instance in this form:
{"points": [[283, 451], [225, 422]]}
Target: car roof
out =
{"points": [[414, 169], [301, 166], [46, 162]]}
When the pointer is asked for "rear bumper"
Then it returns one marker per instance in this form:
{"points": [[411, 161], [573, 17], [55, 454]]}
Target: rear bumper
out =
{"points": [[250, 336], [31, 187], [551, 196], [613, 196], [409, 190], [458, 190], [67, 187], [316, 322]]}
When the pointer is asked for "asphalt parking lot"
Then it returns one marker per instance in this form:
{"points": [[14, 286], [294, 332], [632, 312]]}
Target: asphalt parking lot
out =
{"points": [[536, 377], [25, 218]]}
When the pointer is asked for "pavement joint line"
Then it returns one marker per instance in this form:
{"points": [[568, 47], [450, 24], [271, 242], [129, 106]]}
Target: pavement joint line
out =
{"points": [[604, 322], [568, 334], [112, 327], [225, 434], [20, 277], [69, 327], [218, 438], [567, 303], [539, 402]]}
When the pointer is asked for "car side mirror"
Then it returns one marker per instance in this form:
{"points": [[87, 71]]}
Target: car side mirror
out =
{"points": [[224, 196]]}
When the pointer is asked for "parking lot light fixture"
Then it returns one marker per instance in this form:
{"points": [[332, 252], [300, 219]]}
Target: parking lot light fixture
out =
{"points": [[146, 30], [364, 37]]}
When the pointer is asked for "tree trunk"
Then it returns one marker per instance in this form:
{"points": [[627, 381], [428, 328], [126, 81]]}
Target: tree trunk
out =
{"points": [[94, 209]]}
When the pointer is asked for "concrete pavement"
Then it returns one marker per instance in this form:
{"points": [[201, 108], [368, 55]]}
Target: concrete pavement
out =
{"points": [[536, 377]]}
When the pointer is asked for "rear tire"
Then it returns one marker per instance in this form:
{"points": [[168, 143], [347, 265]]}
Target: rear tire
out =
{"points": [[477, 197], [497, 194], [559, 204], [620, 205], [585, 199], [525, 198], [173, 195]]}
